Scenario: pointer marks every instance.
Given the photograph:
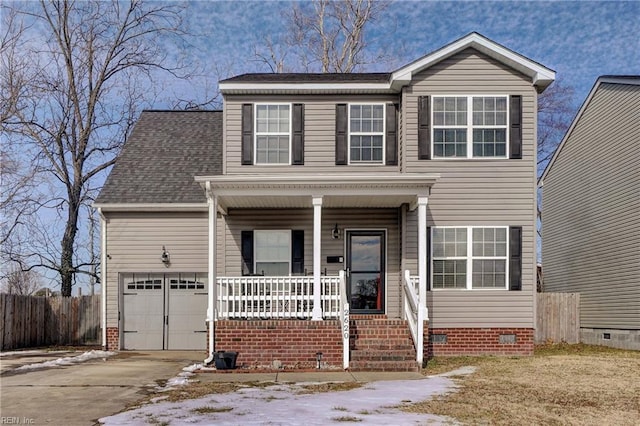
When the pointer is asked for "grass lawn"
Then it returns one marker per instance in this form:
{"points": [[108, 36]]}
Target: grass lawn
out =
{"points": [[559, 385]]}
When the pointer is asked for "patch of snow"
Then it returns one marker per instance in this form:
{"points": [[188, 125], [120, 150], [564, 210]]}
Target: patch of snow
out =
{"points": [[181, 379], [70, 360], [375, 403]]}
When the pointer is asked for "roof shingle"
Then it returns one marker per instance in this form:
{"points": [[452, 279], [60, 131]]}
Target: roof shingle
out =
{"points": [[164, 152]]}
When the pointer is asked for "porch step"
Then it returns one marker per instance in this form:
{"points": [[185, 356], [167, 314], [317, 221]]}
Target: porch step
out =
{"points": [[381, 344]]}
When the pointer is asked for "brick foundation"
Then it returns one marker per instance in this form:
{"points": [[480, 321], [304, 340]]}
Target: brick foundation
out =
{"points": [[281, 344], [113, 339], [478, 341]]}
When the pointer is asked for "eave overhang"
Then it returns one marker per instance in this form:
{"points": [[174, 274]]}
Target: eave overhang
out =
{"points": [[150, 207], [336, 190]]}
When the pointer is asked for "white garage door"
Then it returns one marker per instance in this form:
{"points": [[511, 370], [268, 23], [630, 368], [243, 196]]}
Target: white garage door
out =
{"points": [[164, 311]]}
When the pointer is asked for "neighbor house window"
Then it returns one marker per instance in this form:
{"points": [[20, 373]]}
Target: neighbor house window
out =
{"points": [[470, 126], [273, 133], [272, 252], [366, 133], [469, 257]]}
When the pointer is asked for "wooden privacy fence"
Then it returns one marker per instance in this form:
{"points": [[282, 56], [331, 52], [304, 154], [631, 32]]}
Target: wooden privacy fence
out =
{"points": [[31, 321], [558, 317]]}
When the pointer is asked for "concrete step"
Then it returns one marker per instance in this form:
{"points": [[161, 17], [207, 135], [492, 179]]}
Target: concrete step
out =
{"points": [[383, 355]]}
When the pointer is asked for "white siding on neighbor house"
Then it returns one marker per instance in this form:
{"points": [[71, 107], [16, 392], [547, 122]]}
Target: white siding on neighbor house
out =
{"points": [[591, 211], [135, 243], [319, 134], [475, 191], [302, 219]]}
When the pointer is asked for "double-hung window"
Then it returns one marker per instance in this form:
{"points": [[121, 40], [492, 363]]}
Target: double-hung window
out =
{"points": [[470, 126], [469, 257], [273, 134], [366, 133], [272, 252]]}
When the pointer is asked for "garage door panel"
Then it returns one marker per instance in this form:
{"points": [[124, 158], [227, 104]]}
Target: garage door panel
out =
{"points": [[164, 312]]}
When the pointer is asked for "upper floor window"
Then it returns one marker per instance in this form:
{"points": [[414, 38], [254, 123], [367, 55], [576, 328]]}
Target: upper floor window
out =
{"points": [[366, 133], [273, 133], [470, 126], [470, 257]]}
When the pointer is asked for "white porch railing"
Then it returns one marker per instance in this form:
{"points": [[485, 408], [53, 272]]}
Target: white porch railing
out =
{"points": [[414, 313], [344, 321], [258, 297]]}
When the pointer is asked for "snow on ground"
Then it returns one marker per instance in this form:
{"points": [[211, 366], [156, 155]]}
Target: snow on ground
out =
{"points": [[181, 379], [281, 404], [70, 360]]}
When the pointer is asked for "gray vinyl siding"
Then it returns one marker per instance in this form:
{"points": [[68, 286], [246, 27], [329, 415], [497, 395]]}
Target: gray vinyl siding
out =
{"points": [[135, 243], [378, 219], [591, 211], [319, 135], [476, 192]]}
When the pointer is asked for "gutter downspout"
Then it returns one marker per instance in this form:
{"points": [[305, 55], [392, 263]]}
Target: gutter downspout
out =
{"points": [[213, 211], [103, 275]]}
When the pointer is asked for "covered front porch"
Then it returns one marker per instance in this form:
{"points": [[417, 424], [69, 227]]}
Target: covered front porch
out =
{"points": [[338, 216]]}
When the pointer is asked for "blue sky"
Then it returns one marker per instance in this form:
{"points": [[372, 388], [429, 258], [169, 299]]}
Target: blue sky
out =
{"points": [[579, 40]]}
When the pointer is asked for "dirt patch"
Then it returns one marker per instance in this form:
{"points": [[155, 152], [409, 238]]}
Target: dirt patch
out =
{"points": [[328, 387], [565, 384]]}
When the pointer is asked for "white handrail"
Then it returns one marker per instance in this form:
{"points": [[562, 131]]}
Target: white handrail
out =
{"points": [[415, 314], [344, 320]]}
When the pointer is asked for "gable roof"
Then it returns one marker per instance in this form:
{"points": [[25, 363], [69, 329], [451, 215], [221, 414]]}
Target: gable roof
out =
{"points": [[164, 152], [605, 79], [540, 76]]}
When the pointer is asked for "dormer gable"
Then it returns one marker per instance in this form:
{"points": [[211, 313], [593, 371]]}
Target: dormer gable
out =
{"points": [[381, 83]]}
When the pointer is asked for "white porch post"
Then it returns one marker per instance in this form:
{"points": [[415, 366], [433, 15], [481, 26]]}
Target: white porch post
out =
{"points": [[422, 272], [212, 202], [316, 315], [103, 278]]}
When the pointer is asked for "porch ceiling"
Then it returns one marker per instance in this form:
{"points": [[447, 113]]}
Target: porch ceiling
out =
{"points": [[337, 191]]}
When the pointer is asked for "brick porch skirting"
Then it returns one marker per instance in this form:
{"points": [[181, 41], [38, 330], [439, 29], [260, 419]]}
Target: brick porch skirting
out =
{"points": [[290, 344], [479, 341]]}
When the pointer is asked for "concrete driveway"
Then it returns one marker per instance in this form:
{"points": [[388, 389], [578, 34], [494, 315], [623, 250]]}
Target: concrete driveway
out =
{"points": [[80, 394]]}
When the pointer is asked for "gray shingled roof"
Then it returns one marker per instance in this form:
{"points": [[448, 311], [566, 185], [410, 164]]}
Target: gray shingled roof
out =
{"points": [[164, 152], [371, 77]]}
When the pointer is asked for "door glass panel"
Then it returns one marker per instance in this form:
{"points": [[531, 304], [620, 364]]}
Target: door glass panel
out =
{"points": [[365, 253], [365, 290], [366, 270]]}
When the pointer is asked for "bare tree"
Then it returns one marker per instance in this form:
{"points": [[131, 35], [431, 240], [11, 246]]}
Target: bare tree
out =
{"points": [[83, 73], [328, 36], [555, 112], [21, 282]]}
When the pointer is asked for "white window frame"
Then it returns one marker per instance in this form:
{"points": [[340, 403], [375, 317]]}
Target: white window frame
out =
{"points": [[257, 133], [470, 126], [383, 134], [256, 232], [469, 258]]}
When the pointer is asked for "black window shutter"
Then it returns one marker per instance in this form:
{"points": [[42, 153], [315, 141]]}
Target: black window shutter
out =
{"points": [[297, 252], [247, 134], [515, 127], [515, 258], [297, 157], [341, 134], [424, 128], [247, 252], [392, 135], [428, 258]]}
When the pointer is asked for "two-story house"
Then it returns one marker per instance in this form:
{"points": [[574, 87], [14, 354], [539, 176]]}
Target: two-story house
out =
{"points": [[333, 219]]}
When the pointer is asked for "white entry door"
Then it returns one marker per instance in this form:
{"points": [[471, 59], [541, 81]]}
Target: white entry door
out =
{"points": [[164, 311]]}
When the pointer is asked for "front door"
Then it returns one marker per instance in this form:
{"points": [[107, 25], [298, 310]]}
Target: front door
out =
{"points": [[365, 271]]}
